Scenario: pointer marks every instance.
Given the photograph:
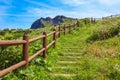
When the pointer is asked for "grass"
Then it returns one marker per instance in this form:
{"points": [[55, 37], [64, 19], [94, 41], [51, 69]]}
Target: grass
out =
{"points": [[99, 59]]}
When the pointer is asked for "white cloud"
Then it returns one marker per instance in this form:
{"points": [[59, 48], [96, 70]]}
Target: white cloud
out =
{"points": [[40, 4], [76, 13], [109, 2], [39, 12], [74, 2], [86, 2], [80, 9]]}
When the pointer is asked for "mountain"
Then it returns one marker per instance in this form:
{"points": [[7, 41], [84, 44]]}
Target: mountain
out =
{"points": [[40, 23]]}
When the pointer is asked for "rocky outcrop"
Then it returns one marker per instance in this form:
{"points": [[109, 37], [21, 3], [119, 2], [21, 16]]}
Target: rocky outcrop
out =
{"points": [[59, 19], [40, 23], [37, 24]]}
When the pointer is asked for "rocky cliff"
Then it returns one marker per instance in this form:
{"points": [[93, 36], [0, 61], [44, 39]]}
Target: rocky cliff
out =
{"points": [[40, 23]]}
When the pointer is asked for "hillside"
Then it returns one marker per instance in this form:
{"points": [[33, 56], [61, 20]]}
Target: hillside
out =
{"points": [[91, 52], [48, 21]]}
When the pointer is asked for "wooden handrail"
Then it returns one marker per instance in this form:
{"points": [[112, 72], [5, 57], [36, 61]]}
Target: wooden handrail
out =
{"points": [[11, 68], [51, 33], [11, 42], [26, 42], [50, 44], [37, 38], [35, 55], [57, 33]]}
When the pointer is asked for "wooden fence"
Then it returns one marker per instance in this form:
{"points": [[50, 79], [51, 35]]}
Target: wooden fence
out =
{"points": [[26, 41], [111, 16], [98, 19]]}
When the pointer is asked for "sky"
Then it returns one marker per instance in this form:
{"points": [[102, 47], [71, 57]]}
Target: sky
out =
{"points": [[22, 13]]}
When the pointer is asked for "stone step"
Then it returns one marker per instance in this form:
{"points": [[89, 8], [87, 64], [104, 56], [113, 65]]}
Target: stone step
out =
{"points": [[71, 57], [69, 62], [65, 67], [71, 53], [65, 75]]}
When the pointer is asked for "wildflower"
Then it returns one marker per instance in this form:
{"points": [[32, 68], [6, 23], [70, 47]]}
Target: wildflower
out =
{"points": [[116, 67], [119, 34], [113, 54], [118, 53]]}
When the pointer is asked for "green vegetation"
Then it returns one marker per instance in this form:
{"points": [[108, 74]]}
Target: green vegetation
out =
{"points": [[79, 55], [106, 29]]}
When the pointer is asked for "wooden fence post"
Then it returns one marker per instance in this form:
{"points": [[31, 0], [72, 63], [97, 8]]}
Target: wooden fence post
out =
{"points": [[54, 37], [77, 23], [25, 50], [94, 20], [69, 28], [91, 20], [64, 29], [102, 18], [44, 44], [74, 26], [111, 16], [59, 30]]}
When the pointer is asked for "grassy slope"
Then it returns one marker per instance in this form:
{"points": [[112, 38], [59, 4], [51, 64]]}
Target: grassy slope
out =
{"points": [[99, 60], [7, 52]]}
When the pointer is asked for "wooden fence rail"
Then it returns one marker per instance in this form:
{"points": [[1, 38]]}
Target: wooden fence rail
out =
{"points": [[26, 41], [93, 20]]}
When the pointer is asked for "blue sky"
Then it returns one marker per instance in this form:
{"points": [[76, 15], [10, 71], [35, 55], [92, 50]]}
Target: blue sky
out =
{"points": [[22, 13]]}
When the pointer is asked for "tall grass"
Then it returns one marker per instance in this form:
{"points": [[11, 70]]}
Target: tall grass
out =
{"points": [[99, 59], [105, 31]]}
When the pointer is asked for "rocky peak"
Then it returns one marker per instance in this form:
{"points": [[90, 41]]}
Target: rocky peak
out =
{"points": [[48, 19], [59, 17], [40, 22]]}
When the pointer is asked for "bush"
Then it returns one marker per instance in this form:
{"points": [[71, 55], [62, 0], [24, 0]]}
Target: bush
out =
{"points": [[6, 30], [83, 22], [9, 55], [8, 36], [2, 33], [80, 23], [105, 32], [1, 37]]}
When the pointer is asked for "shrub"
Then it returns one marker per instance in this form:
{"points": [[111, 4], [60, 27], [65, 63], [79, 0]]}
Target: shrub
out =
{"points": [[105, 32], [80, 23], [9, 55], [2, 33], [6, 30], [8, 36], [1, 37], [86, 21], [83, 22]]}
